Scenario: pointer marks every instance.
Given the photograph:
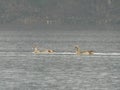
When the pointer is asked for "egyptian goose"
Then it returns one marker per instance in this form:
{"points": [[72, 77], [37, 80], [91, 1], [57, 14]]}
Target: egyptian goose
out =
{"points": [[79, 52], [46, 51]]}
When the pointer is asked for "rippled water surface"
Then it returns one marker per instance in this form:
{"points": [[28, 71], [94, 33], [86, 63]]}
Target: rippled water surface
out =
{"points": [[20, 69]]}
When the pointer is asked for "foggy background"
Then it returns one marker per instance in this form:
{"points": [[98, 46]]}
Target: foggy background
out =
{"points": [[75, 12]]}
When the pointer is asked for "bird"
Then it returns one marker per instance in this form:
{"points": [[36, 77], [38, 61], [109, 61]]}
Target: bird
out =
{"points": [[79, 52], [46, 51]]}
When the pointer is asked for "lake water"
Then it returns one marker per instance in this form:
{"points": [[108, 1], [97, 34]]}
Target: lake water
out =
{"points": [[20, 69]]}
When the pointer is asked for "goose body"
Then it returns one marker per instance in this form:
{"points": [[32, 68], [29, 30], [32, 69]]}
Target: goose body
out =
{"points": [[87, 52], [46, 51], [79, 52]]}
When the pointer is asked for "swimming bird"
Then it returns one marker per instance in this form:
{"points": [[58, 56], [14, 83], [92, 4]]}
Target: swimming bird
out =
{"points": [[46, 51], [79, 52]]}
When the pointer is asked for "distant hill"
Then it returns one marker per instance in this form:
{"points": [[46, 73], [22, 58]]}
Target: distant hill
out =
{"points": [[60, 11]]}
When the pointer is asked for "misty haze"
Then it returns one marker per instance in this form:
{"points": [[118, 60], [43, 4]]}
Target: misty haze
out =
{"points": [[59, 25]]}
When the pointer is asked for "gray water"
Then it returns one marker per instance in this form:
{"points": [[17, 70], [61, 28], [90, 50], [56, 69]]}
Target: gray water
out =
{"points": [[22, 70]]}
